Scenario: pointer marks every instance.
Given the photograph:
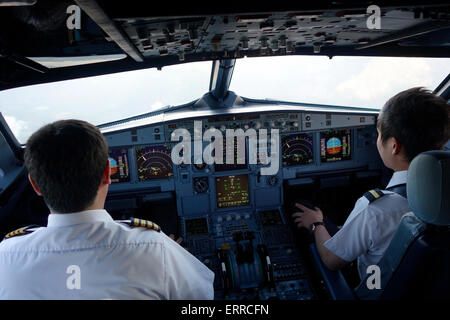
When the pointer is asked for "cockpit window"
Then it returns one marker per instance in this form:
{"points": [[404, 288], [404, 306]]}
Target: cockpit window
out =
{"points": [[344, 81], [104, 98]]}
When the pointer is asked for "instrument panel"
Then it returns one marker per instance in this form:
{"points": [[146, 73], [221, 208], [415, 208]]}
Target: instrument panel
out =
{"points": [[304, 140], [231, 216]]}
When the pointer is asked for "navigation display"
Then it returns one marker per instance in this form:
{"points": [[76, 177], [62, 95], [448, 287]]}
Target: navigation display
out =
{"points": [[232, 191], [236, 165], [154, 162], [297, 149], [335, 145], [118, 162]]}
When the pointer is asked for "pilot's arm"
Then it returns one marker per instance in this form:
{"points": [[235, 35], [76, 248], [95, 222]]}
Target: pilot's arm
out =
{"points": [[321, 235]]}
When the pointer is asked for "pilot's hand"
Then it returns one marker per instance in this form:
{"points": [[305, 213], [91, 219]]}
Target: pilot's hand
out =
{"points": [[179, 240], [307, 217]]}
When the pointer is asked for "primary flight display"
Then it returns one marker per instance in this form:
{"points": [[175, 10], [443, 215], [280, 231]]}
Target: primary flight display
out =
{"points": [[335, 145], [118, 162]]}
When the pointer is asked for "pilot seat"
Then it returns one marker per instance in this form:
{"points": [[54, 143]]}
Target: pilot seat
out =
{"points": [[416, 264]]}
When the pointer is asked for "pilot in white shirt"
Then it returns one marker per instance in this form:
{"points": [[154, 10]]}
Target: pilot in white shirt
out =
{"points": [[83, 253], [370, 227], [88, 255], [405, 129]]}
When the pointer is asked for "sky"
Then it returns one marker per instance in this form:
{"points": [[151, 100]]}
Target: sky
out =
{"points": [[346, 81]]}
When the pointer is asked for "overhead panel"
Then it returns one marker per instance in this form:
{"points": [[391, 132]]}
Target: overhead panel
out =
{"points": [[265, 34]]}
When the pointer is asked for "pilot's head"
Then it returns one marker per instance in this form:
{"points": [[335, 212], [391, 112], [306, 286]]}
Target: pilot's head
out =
{"points": [[411, 122], [68, 165]]}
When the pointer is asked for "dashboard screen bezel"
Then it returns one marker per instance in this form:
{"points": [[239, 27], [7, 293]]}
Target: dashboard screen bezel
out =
{"points": [[248, 204], [351, 147], [127, 153], [135, 150], [314, 147]]}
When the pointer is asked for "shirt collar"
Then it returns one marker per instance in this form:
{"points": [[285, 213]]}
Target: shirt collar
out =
{"points": [[67, 219], [399, 177]]}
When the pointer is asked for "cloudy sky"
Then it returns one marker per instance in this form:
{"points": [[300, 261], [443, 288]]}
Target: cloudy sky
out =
{"points": [[346, 81]]}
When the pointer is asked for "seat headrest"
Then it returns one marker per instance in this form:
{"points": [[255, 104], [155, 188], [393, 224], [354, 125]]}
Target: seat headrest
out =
{"points": [[428, 187]]}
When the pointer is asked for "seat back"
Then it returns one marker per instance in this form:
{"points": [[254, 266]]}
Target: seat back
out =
{"points": [[417, 261], [424, 270]]}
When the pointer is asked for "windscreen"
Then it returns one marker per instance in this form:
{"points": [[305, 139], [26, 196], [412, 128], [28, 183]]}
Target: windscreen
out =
{"points": [[366, 82], [103, 99]]}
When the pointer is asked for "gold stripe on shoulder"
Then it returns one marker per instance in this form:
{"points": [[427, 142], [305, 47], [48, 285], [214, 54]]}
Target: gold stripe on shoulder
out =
{"points": [[135, 222], [18, 232], [375, 194]]}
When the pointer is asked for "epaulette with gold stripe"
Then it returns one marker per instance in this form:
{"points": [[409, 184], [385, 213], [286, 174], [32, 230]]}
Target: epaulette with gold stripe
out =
{"points": [[22, 231], [373, 195], [135, 222]]}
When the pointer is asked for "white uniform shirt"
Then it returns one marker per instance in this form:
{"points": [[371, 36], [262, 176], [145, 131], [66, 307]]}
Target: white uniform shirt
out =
{"points": [[87, 255], [370, 227]]}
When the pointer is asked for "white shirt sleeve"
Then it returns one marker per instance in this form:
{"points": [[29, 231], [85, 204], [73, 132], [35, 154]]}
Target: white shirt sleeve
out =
{"points": [[356, 236], [186, 277]]}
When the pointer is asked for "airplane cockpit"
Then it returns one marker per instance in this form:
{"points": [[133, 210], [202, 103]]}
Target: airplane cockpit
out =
{"points": [[223, 171]]}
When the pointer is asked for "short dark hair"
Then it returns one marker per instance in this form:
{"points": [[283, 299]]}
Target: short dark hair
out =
{"points": [[66, 160], [418, 119]]}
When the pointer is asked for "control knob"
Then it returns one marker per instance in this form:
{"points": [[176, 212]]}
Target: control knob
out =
{"points": [[201, 185]]}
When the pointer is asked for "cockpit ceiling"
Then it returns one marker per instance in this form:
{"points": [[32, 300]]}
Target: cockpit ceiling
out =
{"points": [[266, 34], [35, 40]]}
